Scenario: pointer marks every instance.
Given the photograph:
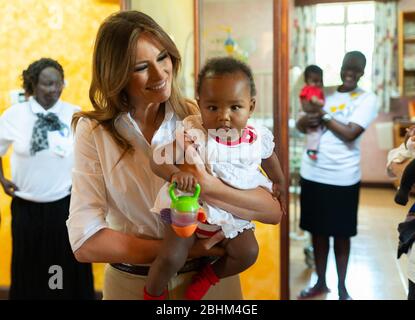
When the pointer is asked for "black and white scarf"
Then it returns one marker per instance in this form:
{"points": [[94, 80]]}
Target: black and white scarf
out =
{"points": [[45, 122]]}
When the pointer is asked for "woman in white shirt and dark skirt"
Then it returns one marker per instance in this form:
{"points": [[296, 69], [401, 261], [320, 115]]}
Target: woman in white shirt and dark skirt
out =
{"points": [[43, 265], [330, 185]]}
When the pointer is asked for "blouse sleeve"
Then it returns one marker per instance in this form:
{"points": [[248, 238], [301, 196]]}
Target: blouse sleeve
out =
{"points": [[88, 200], [6, 132], [267, 142]]}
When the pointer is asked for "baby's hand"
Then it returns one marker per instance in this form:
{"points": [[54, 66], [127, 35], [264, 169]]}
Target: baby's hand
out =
{"points": [[410, 138], [317, 101], [410, 132], [279, 192], [185, 181]]}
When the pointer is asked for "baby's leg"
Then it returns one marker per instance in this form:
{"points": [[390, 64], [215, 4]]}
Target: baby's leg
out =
{"points": [[172, 256], [213, 240], [241, 253]]}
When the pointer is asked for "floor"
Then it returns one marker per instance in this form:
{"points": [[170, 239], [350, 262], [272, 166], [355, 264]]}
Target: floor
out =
{"points": [[374, 273]]}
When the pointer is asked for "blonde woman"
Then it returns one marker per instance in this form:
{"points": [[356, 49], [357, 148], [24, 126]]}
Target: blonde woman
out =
{"points": [[137, 103]]}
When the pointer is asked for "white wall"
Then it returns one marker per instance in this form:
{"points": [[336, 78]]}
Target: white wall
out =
{"points": [[176, 18], [407, 5]]}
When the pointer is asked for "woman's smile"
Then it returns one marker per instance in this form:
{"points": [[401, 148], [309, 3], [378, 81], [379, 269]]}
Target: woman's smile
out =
{"points": [[159, 86]]}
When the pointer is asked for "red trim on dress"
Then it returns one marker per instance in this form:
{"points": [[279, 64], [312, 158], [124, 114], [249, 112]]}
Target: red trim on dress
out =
{"points": [[248, 136]]}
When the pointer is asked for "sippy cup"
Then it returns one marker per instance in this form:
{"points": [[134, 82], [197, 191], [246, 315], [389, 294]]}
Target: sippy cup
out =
{"points": [[185, 212]]}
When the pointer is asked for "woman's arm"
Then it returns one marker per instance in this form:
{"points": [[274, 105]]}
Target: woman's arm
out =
{"points": [[272, 168], [345, 132], [255, 204], [90, 237], [112, 246]]}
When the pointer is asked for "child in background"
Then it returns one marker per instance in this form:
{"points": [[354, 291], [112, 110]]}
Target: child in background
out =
{"points": [[408, 175], [231, 150], [406, 228], [312, 100]]}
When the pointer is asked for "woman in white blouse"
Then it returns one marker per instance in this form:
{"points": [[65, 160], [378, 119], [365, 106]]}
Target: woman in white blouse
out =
{"points": [[136, 100], [43, 264]]}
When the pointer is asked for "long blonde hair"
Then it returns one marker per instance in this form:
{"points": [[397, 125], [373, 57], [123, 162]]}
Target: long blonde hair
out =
{"points": [[112, 65]]}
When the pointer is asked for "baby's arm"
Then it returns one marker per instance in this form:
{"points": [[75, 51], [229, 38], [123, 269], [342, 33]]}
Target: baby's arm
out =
{"points": [[170, 172], [274, 172], [410, 139], [317, 101], [213, 240], [311, 106]]}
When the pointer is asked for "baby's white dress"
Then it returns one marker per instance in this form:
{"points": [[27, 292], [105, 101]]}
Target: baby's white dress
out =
{"points": [[236, 164]]}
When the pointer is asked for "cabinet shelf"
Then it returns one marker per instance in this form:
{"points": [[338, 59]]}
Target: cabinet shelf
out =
{"points": [[406, 52], [409, 39]]}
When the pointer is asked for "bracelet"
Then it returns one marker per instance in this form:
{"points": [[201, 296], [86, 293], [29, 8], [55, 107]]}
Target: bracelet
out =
{"points": [[326, 117]]}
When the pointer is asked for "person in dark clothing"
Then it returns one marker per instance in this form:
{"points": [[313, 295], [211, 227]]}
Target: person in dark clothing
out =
{"points": [[408, 176], [406, 239], [406, 229]]}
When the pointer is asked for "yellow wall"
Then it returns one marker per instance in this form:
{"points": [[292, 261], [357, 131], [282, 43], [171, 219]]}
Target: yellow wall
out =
{"points": [[60, 29], [262, 280]]}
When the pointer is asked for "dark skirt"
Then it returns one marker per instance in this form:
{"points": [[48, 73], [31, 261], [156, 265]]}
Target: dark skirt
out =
{"points": [[43, 265], [328, 209]]}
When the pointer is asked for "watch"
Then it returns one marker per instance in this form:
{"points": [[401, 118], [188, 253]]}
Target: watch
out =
{"points": [[326, 117]]}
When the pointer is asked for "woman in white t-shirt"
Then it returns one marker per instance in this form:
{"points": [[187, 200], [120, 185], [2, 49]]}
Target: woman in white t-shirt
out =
{"points": [[330, 186], [39, 130]]}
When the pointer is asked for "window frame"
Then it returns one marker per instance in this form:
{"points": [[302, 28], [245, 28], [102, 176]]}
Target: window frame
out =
{"points": [[345, 22]]}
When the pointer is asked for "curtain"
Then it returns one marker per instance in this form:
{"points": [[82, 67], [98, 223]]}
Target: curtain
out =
{"points": [[303, 36], [385, 68], [302, 52]]}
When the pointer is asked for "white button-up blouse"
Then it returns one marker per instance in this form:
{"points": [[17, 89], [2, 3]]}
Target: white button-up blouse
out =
{"points": [[46, 175], [110, 194]]}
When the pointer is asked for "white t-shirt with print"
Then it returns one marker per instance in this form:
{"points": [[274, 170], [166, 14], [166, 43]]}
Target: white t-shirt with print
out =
{"points": [[338, 162]]}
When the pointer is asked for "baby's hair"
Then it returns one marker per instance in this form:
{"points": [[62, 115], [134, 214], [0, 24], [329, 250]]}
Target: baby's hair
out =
{"points": [[225, 65], [312, 68], [31, 74]]}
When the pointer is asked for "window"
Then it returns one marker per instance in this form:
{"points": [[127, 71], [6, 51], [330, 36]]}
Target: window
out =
{"points": [[340, 28]]}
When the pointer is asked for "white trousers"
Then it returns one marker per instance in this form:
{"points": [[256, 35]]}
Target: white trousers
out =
{"points": [[120, 285]]}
